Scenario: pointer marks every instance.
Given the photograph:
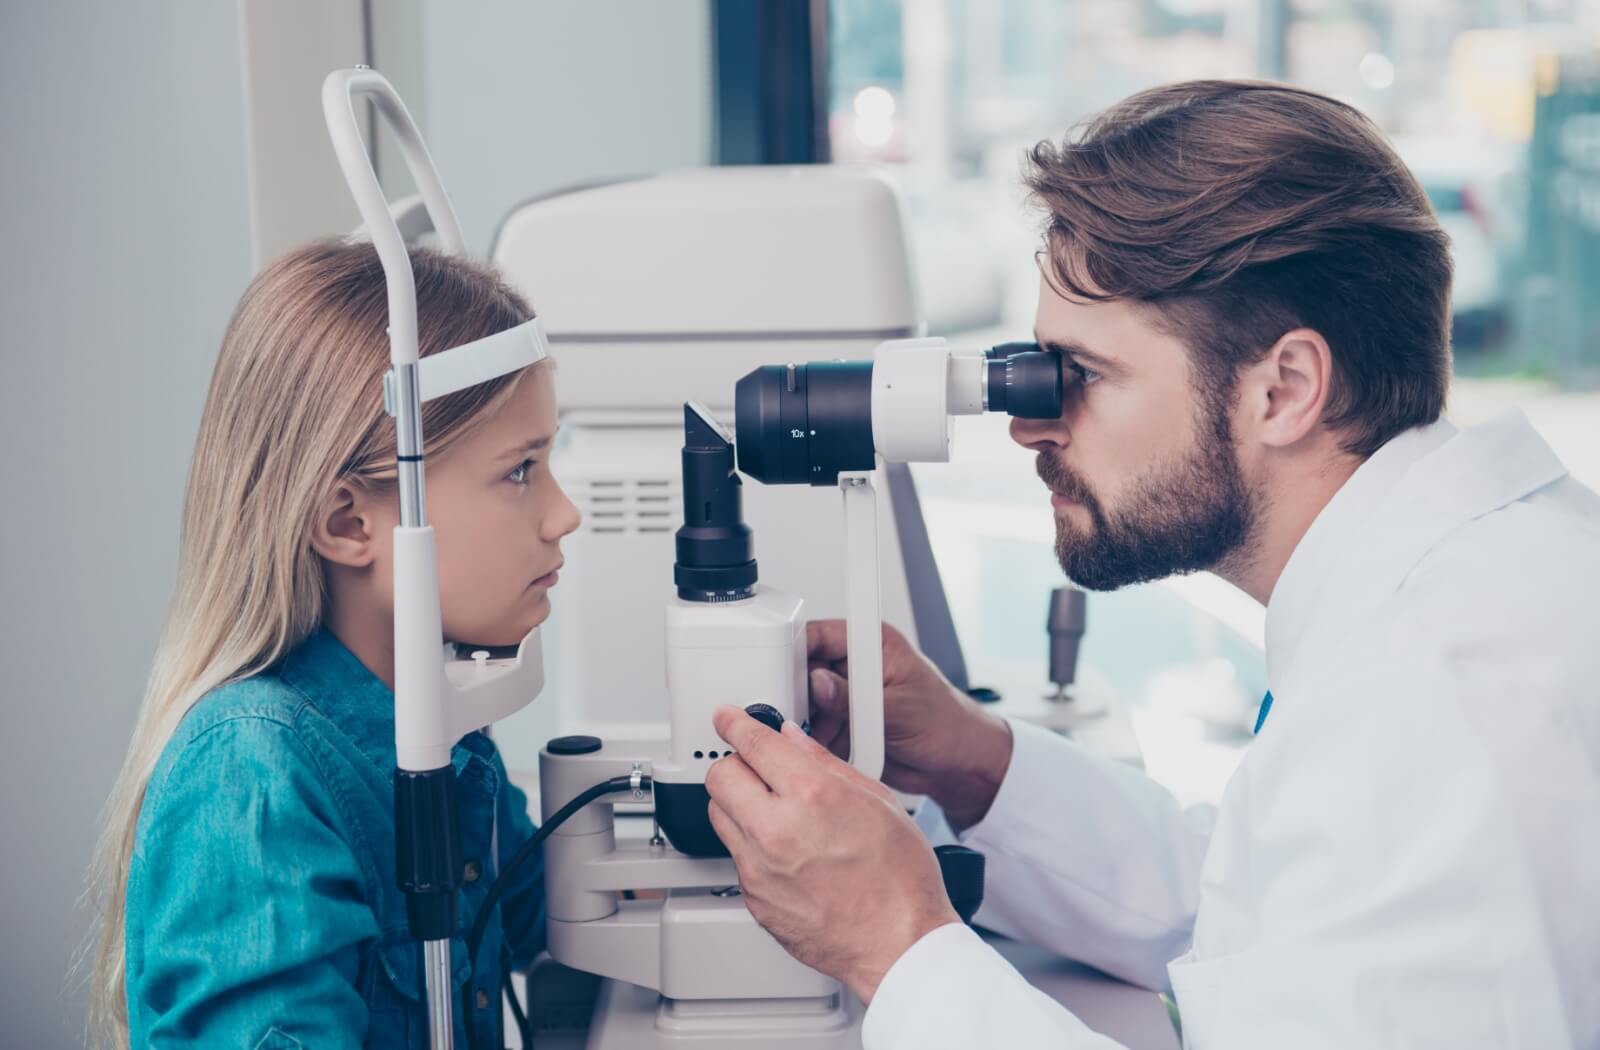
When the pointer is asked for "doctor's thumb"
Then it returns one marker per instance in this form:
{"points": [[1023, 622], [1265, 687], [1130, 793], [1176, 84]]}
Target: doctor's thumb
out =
{"points": [[830, 693]]}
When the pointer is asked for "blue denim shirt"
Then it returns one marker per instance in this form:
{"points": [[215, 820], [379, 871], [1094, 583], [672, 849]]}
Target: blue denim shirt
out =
{"points": [[263, 909]]}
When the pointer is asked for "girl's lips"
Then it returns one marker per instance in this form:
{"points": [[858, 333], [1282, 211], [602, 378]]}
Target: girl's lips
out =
{"points": [[549, 579]]}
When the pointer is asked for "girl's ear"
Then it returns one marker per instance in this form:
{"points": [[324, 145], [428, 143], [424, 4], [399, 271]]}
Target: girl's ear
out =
{"points": [[344, 527]]}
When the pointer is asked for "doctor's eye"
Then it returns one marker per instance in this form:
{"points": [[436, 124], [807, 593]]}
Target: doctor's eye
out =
{"points": [[519, 474], [1086, 376]]}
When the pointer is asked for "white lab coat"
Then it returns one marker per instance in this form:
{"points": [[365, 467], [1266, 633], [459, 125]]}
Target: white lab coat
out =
{"points": [[1409, 854]]}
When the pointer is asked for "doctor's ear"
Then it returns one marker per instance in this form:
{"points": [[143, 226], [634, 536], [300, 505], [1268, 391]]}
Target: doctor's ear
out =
{"points": [[343, 529], [1282, 397]]}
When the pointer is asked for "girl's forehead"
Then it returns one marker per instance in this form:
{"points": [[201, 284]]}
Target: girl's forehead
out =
{"points": [[530, 411]]}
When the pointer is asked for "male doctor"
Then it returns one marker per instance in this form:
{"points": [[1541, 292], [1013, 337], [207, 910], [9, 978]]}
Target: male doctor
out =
{"points": [[1253, 295]]}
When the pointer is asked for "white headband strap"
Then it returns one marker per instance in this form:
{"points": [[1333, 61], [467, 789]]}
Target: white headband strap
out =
{"points": [[476, 362]]}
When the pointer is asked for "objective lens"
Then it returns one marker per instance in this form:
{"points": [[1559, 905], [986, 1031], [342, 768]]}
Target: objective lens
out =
{"points": [[803, 424]]}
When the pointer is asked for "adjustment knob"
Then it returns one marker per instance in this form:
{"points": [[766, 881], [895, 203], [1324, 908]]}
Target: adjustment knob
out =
{"points": [[962, 869], [767, 715], [1069, 615]]}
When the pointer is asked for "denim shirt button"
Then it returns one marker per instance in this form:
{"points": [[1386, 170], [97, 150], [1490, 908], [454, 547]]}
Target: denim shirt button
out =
{"points": [[483, 999], [471, 870]]}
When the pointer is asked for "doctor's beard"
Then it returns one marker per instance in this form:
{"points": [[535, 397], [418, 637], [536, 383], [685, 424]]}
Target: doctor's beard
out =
{"points": [[1177, 519]]}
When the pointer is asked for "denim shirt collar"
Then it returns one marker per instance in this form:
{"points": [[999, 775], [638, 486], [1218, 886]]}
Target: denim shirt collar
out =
{"points": [[339, 685]]}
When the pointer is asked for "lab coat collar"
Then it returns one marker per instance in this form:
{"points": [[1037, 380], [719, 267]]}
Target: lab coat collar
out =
{"points": [[1397, 504]]}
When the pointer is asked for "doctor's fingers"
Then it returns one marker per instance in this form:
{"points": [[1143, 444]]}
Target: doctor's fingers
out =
{"points": [[831, 733], [828, 643], [830, 693], [836, 765], [779, 762], [736, 788], [729, 831]]}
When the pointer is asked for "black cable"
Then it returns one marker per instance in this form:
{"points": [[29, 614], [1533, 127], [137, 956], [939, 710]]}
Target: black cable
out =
{"points": [[524, 1029], [526, 852]]}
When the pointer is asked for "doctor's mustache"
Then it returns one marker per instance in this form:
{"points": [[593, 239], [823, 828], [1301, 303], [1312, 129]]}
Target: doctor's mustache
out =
{"points": [[1060, 479]]}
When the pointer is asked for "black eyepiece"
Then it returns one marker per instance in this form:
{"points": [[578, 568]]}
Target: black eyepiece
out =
{"points": [[1024, 381]]}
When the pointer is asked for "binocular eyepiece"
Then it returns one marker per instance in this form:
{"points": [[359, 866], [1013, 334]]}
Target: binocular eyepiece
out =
{"points": [[804, 424]]}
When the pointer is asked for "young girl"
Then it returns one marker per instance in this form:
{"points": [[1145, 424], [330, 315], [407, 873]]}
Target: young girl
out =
{"points": [[247, 869]]}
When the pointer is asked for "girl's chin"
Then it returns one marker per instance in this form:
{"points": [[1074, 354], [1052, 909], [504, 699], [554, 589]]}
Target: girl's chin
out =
{"points": [[508, 632]]}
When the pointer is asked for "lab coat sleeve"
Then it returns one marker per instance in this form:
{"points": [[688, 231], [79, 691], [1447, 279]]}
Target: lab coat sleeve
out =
{"points": [[1087, 857], [248, 920], [950, 990]]}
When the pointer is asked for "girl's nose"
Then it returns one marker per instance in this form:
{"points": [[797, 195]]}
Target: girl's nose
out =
{"points": [[563, 518]]}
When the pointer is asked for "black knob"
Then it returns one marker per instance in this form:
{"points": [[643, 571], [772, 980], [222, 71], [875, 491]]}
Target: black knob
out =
{"points": [[767, 715], [962, 869], [574, 745], [1068, 617]]}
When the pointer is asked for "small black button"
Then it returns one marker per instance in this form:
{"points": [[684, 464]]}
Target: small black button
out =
{"points": [[767, 715], [983, 694], [573, 745], [962, 870]]}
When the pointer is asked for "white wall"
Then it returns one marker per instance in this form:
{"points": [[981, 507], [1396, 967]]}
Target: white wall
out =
{"points": [[286, 48], [525, 96], [125, 245]]}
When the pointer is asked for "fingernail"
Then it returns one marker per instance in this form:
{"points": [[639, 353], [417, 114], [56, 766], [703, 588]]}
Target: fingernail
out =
{"points": [[822, 687]]}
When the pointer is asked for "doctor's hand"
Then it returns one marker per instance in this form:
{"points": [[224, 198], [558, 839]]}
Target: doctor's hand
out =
{"points": [[938, 741], [828, 862]]}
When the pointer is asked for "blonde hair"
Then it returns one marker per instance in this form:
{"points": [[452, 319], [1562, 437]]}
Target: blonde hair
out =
{"points": [[294, 406]]}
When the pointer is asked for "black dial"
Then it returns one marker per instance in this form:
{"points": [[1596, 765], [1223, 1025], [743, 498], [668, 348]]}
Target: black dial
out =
{"points": [[767, 715]]}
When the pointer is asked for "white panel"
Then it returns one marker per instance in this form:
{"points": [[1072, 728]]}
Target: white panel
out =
{"points": [[814, 251], [287, 47]]}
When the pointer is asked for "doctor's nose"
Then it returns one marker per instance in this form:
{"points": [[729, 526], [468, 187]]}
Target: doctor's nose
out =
{"points": [[1034, 434]]}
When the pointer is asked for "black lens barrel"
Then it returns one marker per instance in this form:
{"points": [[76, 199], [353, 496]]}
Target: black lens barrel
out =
{"points": [[803, 424]]}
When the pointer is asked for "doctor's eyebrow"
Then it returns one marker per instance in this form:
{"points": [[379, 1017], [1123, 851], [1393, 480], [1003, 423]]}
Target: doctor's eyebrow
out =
{"points": [[1078, 352]]}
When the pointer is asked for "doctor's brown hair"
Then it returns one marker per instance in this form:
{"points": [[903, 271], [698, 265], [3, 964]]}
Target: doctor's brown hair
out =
{"points": [[1239, 211]]}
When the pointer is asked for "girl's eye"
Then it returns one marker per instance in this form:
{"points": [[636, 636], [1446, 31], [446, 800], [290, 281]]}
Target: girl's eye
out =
{"points": [[519, 475], [1085, 376]]}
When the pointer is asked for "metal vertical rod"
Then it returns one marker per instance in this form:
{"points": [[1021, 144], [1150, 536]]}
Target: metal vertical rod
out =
{"points": [[408, 446], [413, 514], [436, 964]]}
